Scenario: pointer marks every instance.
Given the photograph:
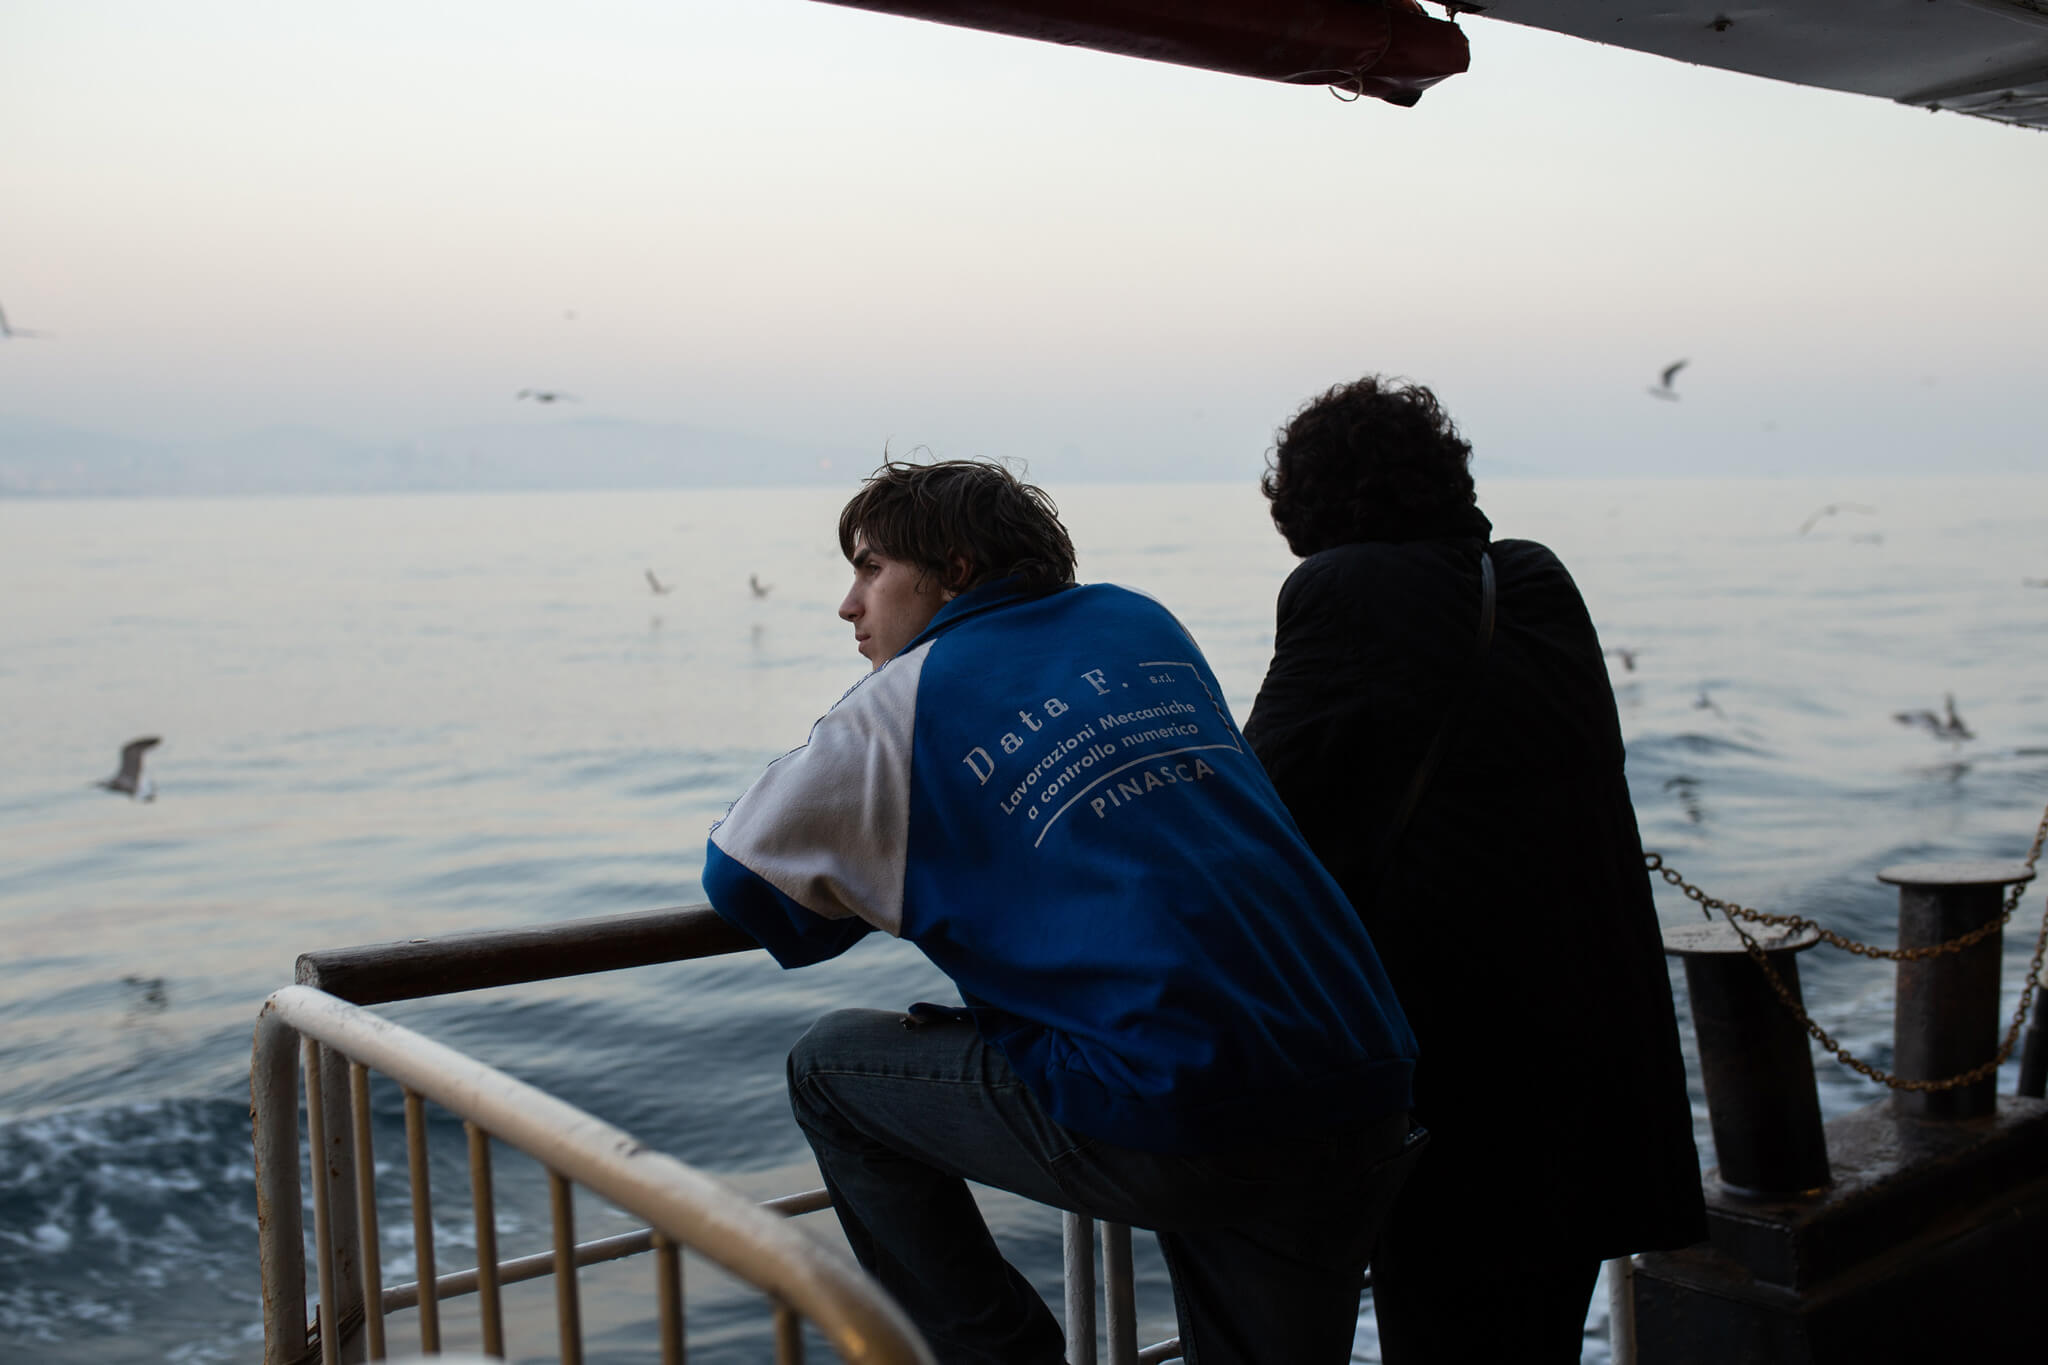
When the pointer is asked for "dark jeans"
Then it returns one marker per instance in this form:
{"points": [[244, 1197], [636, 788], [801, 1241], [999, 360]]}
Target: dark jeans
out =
{"points": [[1469, 1267], [1266, 1246]]}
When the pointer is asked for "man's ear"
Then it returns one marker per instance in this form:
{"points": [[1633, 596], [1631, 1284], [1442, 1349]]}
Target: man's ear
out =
{"points": [[958, 570]]}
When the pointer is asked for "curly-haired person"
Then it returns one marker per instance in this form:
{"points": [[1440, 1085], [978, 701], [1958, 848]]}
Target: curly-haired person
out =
{"points": [[1439, 719]]}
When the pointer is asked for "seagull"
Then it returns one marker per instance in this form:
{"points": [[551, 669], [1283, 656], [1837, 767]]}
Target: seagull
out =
{"points": [[155, 999], [544, 396], [1687, 787], [1703, 702], [1830, 510], [1664, 388], [760, 589], [1949, 727], [661, 589], [130, 779], [9, 333], [1627, 657]]}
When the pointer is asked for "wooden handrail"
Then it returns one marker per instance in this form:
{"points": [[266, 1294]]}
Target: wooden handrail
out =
{"points": [[406, 969]]}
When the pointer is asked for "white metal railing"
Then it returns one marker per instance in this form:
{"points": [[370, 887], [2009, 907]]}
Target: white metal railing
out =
{"points": [[340, 1043], [1119, 1297], [422, 967]]}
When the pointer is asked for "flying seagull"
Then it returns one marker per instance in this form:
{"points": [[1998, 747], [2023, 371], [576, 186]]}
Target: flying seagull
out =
{"points": [[661, 589], [9, 333], [1830, 510], [760, 589], [1688, 788], [1664, 387], [1627, 657], [1949, 726], [1703, 702], [544, 396], [130, 779], [154, 998]]}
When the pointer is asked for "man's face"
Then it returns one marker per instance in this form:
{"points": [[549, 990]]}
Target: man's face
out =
{"points": [[889, 603]]}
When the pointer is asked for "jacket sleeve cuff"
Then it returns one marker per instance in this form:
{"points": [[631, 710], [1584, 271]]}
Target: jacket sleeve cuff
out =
{"points": [[793, 936]]}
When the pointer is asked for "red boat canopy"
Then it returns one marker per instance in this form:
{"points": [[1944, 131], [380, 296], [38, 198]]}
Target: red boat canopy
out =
{"points": [[1388, 49]]}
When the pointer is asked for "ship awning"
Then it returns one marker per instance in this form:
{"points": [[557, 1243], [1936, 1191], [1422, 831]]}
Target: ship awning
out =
{"points": [[1985, 58], [1388, 49]]}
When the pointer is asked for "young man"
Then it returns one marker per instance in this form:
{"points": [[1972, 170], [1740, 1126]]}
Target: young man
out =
{"points": [[1172, 1017], [1470, 799]]}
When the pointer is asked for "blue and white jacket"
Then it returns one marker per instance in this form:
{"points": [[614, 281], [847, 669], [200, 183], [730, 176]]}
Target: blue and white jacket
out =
{"points": [[1047, 795]]}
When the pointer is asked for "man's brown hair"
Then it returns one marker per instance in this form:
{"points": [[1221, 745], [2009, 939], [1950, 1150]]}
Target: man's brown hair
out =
{"points": [[976, 511]]}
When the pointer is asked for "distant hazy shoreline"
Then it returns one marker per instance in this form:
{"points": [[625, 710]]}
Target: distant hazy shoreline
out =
{"points": [[597, 454], [39, 460]]}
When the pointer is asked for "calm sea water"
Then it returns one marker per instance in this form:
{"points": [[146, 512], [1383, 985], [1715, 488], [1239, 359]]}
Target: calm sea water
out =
{"points": [[388, 717]]}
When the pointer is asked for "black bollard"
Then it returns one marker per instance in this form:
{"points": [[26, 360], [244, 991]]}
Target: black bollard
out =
{"points": [[1928, 1242], [2034, 1052], [1754, 1063], [1945, 1021]]}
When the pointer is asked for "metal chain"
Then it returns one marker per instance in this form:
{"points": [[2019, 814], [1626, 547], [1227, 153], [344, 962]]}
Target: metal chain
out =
{"points": [[1735, 914]]}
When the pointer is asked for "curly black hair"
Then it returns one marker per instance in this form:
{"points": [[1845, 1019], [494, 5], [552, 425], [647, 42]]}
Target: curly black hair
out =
{"points": [[931, 515], [1375, 459]]}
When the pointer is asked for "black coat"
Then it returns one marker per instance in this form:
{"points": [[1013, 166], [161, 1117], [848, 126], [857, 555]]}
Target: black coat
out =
{"points": [[1514, 913]]}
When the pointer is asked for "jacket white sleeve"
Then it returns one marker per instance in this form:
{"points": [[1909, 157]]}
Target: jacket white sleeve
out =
{"points": [[812, 856]]}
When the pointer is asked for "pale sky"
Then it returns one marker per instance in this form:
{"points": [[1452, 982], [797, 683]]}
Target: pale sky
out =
{"points": [[796, 220]]}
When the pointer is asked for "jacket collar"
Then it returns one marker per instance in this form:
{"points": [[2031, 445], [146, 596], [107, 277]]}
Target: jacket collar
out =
{"points": [[990, 596], [1462, 523]]}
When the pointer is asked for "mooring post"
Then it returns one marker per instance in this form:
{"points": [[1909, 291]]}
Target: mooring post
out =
{"points": [[2034, 1051], [1945, 1021], [1926, 1242], [1762, 1101]]}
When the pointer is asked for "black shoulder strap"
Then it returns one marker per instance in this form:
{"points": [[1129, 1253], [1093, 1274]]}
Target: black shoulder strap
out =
{"points": [[1426, 769]]}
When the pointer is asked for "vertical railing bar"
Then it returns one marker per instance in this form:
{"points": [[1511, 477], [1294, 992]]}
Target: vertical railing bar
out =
{"points": [[280, 1219], [568, 1315], [1119, 1294], [486, 1240], [345, 1302], [668, 1288], [422, 1223], [1077, 1240], [1621, 1310], [323, 1244], [789, 1335], [366, 1209]]}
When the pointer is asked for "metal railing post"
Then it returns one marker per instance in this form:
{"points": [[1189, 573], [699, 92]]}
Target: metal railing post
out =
{"points": [[280, 1226], [668, 1291], [323, 1202], [1077, 1241], [568, 1306], [420, 1178], [484, 1211], [789, 1336], [1119, 1294], [366, 1212], [341, 1300]]}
